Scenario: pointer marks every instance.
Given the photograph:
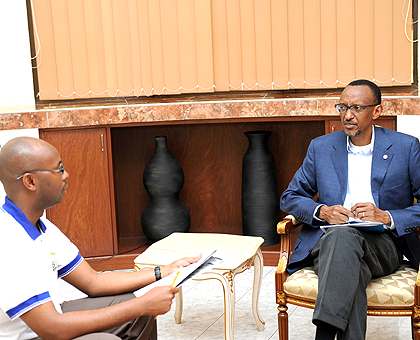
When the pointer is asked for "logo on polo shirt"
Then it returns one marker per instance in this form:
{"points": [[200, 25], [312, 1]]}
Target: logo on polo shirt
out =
{"points": [[54, 262]]}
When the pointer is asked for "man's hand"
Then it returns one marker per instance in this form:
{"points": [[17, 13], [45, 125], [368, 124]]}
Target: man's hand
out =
{"points": [[174, 266], [335, 214], [158, 301], [370, 212]]}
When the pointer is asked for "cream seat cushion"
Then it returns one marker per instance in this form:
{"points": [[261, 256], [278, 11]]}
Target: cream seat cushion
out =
{"points": [[396, 289]]}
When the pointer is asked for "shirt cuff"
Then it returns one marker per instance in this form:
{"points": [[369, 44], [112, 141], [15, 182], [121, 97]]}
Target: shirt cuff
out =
{"points": [[391, 225], [315, 217]]}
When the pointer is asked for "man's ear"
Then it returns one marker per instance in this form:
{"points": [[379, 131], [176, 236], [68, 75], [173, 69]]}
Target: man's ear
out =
{"points": [[377, 112], [28, 181]]}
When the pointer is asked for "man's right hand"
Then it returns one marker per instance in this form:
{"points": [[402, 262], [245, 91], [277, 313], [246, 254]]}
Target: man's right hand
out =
{"points": [[158, 301], [335, 214]]}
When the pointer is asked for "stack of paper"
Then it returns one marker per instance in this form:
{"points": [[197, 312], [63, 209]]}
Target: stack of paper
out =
{"points": [[206, 262]]}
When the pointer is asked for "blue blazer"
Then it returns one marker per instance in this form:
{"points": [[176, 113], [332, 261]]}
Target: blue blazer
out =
{"points": [[395, 181]]}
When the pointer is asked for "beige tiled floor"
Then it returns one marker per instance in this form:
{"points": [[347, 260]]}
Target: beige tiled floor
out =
{"points": [[203, 317]]}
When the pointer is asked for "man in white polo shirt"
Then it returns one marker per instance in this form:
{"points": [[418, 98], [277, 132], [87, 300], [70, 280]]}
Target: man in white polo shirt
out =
{"points": [[34, 253]]}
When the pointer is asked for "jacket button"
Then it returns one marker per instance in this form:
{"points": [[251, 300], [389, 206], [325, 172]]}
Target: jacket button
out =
{"points": [[406, 230]]}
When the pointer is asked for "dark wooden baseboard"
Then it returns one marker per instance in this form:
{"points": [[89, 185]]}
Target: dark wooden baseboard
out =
{"points": [[126, 261]]}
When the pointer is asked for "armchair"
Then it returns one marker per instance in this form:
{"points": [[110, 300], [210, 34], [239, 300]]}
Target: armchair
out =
{"points": [[397, 294]]}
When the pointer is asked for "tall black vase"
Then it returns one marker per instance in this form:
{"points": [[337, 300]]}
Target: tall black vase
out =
{"points": [[163, 179], [260, 198]]}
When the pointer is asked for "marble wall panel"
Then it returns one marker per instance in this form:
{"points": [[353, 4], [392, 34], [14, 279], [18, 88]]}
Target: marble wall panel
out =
{"points": [[84, 117], [152, 113], [25, 120], [392, 106], [326, 107], [411, 106], [216, 110], [298, 107], [180, 111]]}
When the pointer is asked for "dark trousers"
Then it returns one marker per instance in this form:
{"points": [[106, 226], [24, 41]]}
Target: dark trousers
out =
{"points": [[345, 260], [142, 328]]}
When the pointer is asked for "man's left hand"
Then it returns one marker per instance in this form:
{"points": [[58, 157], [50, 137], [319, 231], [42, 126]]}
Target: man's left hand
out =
{"points": [[174, 266], [370, 212]]}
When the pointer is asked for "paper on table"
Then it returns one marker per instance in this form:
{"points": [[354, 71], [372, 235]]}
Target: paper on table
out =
{"points": [[356, 223], [206, 262]]}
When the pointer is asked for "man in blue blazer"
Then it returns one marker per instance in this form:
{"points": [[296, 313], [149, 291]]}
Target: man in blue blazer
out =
{"points": [[362, 172]]}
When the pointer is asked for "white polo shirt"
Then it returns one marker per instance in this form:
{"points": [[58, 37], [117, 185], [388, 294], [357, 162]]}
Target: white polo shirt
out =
{"points": [[30, 264]]}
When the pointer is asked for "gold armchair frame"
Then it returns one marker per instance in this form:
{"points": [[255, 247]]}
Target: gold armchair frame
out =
{"points": [[283, 297]]}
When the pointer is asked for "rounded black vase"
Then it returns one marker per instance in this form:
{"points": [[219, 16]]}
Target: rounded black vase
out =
{"points": [[260, 198], [163, 179]]}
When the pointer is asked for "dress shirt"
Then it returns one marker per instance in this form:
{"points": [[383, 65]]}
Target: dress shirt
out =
{"points": [[359, 173]]}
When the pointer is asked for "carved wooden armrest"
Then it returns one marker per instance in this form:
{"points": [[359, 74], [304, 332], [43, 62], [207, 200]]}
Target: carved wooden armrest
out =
{"points": [[288, 224], [281, 276], [283, 260], [284, 228]]}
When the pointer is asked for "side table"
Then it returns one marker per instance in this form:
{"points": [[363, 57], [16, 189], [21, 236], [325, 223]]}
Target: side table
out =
{"points": [[238, 252]]}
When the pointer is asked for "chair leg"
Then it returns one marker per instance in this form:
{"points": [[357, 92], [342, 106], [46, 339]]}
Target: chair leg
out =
{"points": [[284, 326], [415, 328], [283, 317]]}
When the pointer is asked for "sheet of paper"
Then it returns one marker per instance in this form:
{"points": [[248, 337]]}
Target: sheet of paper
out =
{"points": [[355, 223], [206, 262], [206, 266]]}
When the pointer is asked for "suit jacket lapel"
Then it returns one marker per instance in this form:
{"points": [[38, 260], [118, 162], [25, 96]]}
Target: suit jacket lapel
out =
{"points": [[381, 159], [339, 159]]}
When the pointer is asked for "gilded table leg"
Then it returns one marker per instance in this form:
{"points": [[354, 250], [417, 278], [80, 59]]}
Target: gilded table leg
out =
{"points": [[226, 278], [229, 291], [258, 266], [178, 306]]}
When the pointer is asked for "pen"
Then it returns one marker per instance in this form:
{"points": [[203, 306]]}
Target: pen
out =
{"points": [[176, 276]]}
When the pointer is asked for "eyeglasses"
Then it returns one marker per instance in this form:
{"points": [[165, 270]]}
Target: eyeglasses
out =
{"points": [[341, 108], [60, 169]]}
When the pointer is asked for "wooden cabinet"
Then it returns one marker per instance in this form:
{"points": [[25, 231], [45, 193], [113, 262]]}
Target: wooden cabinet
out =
{"points": [[101, 212], [85, 215], [211, 156]]}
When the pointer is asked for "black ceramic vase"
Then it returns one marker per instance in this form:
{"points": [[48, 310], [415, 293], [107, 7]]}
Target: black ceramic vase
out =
{"points": [[163, 179], [260, 198]]}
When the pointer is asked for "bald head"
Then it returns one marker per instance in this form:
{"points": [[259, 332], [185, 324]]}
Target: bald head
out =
{"points": [[20, 155]]}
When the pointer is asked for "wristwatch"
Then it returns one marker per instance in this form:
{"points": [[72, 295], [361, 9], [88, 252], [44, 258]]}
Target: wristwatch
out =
{"points": [[318, 212], [157, 273]]}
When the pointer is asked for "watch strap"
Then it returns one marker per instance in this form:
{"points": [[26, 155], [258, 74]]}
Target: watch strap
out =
{"points": [[157, 273]]}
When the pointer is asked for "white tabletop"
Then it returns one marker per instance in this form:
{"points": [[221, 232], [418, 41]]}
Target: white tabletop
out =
{"points": [[234, 249]]}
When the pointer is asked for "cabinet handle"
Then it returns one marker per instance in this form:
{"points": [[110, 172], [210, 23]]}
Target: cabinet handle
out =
{"points": [[332, 128], [102, 141]]}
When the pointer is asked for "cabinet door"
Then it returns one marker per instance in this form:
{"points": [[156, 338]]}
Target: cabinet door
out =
{"points": [[334, 125], [85, 213]]}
